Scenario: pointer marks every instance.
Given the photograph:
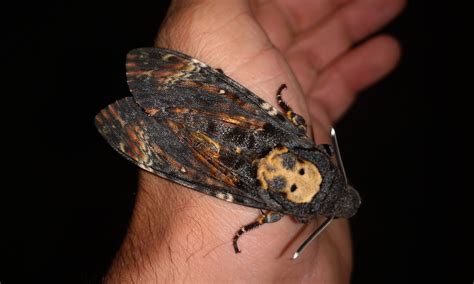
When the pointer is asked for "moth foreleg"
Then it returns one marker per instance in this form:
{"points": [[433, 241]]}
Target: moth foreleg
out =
{"points": [[295, 118], [269, 217]]}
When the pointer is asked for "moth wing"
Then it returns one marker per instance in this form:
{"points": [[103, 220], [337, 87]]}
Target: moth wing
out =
{"points": [[155, 147], [159, 78]]}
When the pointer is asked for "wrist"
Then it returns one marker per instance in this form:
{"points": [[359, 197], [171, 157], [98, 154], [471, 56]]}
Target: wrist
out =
{"points": [[177, 234]]}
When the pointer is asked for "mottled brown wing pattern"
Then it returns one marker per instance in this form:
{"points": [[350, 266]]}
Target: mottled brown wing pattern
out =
{"points": [[225, 127], [160, 78], [165, 150]]}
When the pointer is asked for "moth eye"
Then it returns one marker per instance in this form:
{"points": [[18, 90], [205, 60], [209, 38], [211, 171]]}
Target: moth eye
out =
{"points": [[293, 188], [301, 171]]}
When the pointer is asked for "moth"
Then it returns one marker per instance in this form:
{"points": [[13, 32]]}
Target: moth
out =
{"points": [[192, 124]]}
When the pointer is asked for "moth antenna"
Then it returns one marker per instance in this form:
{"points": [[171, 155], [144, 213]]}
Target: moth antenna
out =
{"points": [[338, 155], [312, 237], [326, 223]]}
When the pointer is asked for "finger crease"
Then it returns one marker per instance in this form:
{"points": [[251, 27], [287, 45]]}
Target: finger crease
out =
{"points": [[287, 19]]}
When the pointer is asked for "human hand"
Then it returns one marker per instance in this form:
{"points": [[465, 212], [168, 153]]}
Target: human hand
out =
{"points": [[307, 44]]}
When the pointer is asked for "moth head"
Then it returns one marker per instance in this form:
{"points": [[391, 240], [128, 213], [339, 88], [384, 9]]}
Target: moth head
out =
{"points": [[281, 171], [341, 200], [347, 204]]}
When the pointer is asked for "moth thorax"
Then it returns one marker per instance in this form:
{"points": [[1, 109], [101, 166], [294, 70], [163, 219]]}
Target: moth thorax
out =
{"points": [[282, 171]]}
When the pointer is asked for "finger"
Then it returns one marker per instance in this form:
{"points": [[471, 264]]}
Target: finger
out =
{"points": [[316, 48], [337, 85], [303, 14], [282, 19]]}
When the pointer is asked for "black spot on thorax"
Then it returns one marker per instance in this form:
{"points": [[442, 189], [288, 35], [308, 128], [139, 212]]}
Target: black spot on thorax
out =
{"points": [[293, 188], [277, 184], [288, 161]]}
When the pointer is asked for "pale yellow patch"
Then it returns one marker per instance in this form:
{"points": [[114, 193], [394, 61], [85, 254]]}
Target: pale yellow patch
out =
{"points": [[266, 106], [307, 184], [273, 111], [122, 147], [194, 60], [225, 196], [167, 56]]}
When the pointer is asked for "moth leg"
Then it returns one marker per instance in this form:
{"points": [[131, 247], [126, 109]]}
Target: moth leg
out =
{"points": [[269, 217], [295, 118], [220, 70]]}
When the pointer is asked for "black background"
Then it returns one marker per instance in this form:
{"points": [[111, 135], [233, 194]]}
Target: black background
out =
{"points": [[73, 195]]}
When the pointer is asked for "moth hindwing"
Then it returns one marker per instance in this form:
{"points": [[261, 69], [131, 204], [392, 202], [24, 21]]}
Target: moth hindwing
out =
{"points": [[192, 124]]}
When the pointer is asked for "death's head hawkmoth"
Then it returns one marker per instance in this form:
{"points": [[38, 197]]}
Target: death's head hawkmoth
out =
{"points": [[192, 124]]}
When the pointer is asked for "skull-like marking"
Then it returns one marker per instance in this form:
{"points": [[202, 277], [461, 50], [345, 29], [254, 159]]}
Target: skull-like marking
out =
{"points": [[282, 171]]}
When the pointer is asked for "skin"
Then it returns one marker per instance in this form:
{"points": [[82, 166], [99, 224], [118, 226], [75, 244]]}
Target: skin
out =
{"points": [[179, 235]]}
